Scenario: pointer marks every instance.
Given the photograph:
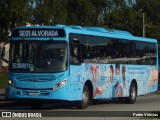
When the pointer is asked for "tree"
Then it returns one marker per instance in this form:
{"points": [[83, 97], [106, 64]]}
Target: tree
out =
{"points": [[58, 9], [121, 16], [114, 14], [98, 11], [79, 12], [13, 13], [49, 12], [152, 16], [41, 12]]}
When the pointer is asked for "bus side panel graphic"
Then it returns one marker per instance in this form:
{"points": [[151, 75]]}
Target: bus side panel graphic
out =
{"points": [[114, 80]]}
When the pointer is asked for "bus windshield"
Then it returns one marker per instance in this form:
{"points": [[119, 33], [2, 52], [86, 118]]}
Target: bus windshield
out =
{"points": [[38, 56]]}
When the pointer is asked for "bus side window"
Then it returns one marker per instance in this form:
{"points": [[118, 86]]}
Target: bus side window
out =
{"points": [[152, 54], [75, 54], [75, 48]]}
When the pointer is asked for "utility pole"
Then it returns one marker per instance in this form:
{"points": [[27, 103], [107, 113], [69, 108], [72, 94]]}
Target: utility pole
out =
{"points": [[143, 22], [144, 26]]}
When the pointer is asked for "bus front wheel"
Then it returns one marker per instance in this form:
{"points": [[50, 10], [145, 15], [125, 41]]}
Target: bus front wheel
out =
{"points": [[83, 104]]}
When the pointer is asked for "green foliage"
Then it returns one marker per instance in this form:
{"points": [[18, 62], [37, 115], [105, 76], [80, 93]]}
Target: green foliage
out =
{"points": [[13, 13], [114, 14], [3, 80], [48, 12], [151, 9], [157, 92], [82, 12]]}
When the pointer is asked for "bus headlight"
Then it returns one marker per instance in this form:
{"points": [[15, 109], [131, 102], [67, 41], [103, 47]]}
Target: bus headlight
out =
{"points": [[60, 84], [12, 84]]}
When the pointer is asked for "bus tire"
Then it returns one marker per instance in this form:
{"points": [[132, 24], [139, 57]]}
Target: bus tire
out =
{"points": [[36, 105], [83, 104], [132, 94]]}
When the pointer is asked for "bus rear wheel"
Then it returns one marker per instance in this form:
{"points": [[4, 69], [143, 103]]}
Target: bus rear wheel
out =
{"points": [[83, 104], [132, 94]]}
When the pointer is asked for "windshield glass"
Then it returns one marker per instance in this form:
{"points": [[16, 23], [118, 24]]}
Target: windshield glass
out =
{"points": [[38, 56]]}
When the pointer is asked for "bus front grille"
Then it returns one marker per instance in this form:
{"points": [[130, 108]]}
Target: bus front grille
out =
{"points": [[34, 93], [35, 78]]}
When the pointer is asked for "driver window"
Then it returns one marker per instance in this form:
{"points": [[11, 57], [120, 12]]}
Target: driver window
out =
{"points": [[75, 49]]}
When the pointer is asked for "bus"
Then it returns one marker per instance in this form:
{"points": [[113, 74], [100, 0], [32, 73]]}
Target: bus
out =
{"points": [[79, 65]]}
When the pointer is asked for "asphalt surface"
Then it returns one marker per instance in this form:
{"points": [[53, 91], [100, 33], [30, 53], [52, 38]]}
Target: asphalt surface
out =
{"points": [[144, 103], [150, 102]]}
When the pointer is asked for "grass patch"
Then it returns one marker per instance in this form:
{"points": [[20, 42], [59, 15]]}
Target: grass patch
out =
{"points": [[3, 80], [157, 92]]}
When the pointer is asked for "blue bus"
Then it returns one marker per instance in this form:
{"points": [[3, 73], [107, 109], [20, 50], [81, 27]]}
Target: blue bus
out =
{"points": [[80, 64]]}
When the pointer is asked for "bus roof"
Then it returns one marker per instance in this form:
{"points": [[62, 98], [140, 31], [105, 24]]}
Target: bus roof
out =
{"points": [[96, 31]]}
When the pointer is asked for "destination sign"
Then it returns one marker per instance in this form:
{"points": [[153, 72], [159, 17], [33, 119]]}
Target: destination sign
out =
{"points": [[35, 32]]}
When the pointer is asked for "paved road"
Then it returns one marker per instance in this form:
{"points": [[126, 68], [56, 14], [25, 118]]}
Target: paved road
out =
{"points": [[144, 103]]}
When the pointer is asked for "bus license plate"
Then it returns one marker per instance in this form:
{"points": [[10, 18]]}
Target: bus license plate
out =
{"points": [[33, 94]]}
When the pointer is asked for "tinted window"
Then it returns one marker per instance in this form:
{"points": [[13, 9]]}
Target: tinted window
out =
{"points": [[103, 50], [89, 49], [152, 54], [38, 56], [75, 48], [146, 53]]}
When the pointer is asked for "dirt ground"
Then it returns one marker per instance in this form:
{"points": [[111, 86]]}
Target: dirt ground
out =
{"points": [[3, 69]]}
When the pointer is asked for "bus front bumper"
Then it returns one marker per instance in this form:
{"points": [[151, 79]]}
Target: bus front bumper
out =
{"points": [[48, 94]]}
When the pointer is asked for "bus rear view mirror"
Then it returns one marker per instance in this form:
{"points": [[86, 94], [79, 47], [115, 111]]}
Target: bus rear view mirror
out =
{"points": [[75, 51], [75, 57]]}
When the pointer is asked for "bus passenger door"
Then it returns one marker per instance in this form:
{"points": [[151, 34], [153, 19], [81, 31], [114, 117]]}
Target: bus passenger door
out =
{"points": [[75, 70]]}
